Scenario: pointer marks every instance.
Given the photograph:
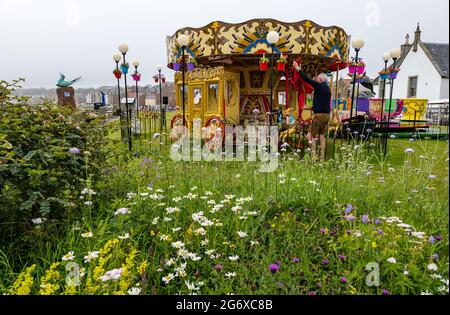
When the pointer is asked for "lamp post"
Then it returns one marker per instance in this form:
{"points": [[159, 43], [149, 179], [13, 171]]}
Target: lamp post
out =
{"points": [[386, 57], [357, 44], [136, 78], [117, 57], [395, 54], [159, 68], [123, 48], [183, 41], [272, 39]]}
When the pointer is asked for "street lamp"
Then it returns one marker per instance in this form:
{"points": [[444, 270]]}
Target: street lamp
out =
{"points": [[159, 68], [386, 58], [123, 48], [272, 39], [357, 44], [183, 41], [117, 57], [395, 54], [136, 77]]}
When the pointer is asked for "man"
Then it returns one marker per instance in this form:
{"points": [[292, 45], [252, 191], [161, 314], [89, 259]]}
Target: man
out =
{"points": [[321, 110]]}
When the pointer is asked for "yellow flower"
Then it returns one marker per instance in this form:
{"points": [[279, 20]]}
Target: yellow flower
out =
{"points": [[51, 275], [374, 245], [125, 278], [100, 268], [70, 290], [152, 233], [24, 282], [142, 267]]}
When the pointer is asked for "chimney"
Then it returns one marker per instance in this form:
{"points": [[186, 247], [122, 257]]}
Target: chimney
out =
{"points": [[416, 37], [405, 46]]}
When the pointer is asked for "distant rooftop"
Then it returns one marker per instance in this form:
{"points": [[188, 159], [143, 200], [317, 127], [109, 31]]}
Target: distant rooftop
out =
{"points": [[439, 57]]}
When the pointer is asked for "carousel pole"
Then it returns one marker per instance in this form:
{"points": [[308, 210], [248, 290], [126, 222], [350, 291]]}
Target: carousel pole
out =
{"points": [[271, 86], [183, 41], [272, 39], [183, 84]]}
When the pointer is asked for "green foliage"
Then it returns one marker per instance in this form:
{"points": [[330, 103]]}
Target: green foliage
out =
{"points": [[38, 175]]}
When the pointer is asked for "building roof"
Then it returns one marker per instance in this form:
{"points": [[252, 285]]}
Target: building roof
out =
{"points": [[438, 54]]}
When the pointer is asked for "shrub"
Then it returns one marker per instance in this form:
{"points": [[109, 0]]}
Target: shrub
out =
{"points": [[43, 161]]}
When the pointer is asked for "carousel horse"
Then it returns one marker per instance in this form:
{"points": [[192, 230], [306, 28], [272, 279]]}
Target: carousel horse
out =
{"points": [[335, 123], [288, 126]]}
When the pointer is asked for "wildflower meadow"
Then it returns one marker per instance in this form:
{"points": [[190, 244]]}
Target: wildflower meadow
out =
{"points": [[140, 223]]}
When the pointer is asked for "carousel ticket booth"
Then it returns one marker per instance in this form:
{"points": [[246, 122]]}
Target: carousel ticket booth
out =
{"points": [[229, 83]]}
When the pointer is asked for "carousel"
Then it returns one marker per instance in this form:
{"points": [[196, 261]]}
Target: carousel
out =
{"points": [[237, 74]]}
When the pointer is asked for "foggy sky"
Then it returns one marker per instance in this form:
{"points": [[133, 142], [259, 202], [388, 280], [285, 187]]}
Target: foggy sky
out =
{"points": [[40, 38]]}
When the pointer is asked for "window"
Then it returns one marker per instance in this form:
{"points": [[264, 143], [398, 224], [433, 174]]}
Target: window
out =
{"points": [[412, 87], [282, 98], [181, 91], [197, 97], [213, 97]]}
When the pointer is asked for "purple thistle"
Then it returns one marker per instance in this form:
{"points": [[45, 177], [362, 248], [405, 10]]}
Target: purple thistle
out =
{"points": [[312, 293], [385, 292], [342, 257], [323, 230], [380, 232], [274, 268], [377, 221], [349, 208], [218, 267], [296, 260], [325, 262], [343, 280], [435, 256], [431, 239], [439, 238], [74, 150], [348, 232], [365, 218]]}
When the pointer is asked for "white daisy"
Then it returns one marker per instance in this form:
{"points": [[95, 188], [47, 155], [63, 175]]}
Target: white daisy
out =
{"points": [[392, 260], [242, 234], [122, 211], [432, 267], [68, 256], [87, 235], [168, 278]]}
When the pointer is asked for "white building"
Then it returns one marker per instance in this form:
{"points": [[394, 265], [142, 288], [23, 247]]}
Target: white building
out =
{"points": [[423, 72]]}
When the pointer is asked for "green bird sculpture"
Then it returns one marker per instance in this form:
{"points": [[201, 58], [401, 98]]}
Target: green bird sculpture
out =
{"points": [[63, 83]]}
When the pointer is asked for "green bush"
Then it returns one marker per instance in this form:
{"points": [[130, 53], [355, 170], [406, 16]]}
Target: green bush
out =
{"points": [[39, 176]]}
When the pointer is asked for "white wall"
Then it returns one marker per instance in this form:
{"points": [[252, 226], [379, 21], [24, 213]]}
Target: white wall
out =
{"points": [[428, 78], [444, 89]]}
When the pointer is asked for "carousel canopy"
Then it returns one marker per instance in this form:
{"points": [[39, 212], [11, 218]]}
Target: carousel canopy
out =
{"points": [[320, 48]]}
